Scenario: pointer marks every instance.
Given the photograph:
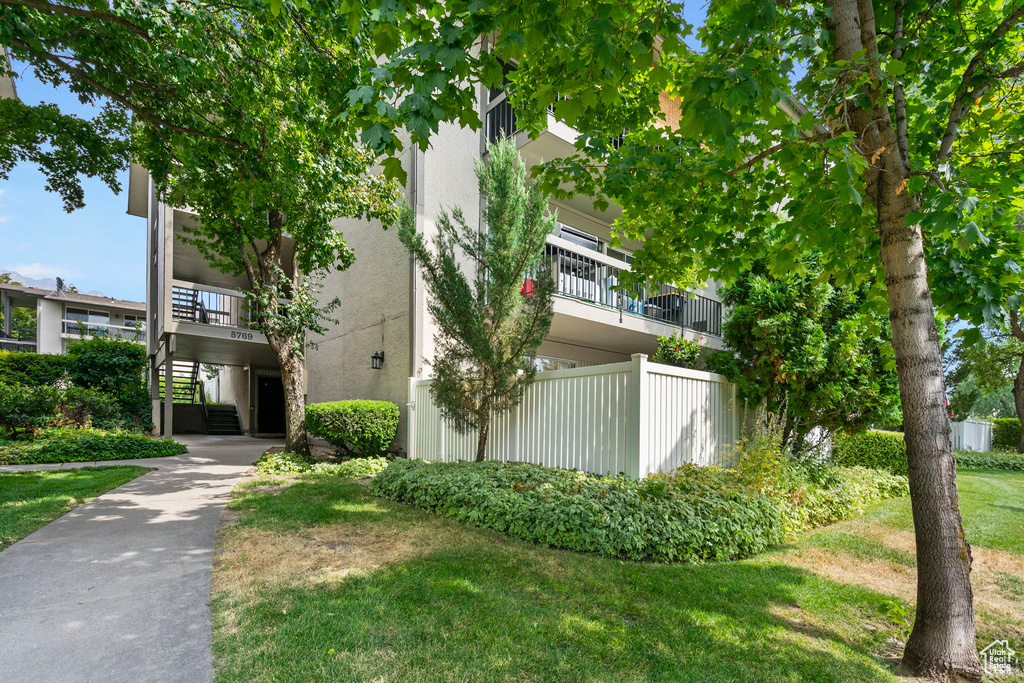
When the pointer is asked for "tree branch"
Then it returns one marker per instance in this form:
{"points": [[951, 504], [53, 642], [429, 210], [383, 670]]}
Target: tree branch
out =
{"points": [[85, 78], [50, 8], [962, 103]]}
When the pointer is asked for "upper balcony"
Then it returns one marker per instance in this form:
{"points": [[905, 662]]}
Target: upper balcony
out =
{"points": [[82, 329], [593, 278], [20, 339]]}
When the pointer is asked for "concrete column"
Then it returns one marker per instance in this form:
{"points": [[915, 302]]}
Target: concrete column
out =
{"points": [[5, 306], [154, 393], [168, 423]]}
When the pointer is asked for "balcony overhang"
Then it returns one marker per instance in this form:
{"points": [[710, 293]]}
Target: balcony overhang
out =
{"points": [[220, 345], [138, 191]]}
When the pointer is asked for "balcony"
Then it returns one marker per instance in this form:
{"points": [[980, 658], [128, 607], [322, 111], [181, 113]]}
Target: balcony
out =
{"points": [[501, 121], [79, 328], [210, 308], [23, 340], [593, 277]]}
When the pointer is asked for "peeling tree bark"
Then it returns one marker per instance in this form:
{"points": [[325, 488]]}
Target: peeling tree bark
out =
{"points": [[942, 644]]}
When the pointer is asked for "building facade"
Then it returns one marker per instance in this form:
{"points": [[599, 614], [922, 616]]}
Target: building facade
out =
{"points": [[48, 319], [194, 312]]}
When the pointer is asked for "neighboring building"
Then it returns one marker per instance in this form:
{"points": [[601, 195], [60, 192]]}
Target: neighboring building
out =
{"points": [[54, 317], [196, 314]]}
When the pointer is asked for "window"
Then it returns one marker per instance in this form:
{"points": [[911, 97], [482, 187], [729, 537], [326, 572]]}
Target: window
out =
{"points": [[82, 321], [584, 239], [621, 255]]}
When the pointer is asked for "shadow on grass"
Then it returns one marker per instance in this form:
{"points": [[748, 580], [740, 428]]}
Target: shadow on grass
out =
{"points": [[478, 606]]}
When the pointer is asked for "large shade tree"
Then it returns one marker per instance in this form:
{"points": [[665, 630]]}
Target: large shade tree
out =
{"points": [[266, 188], [871, 133]]}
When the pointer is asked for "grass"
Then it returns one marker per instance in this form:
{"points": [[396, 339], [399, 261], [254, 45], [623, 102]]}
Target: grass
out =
{"points": [[319, 580], [30, 500]]}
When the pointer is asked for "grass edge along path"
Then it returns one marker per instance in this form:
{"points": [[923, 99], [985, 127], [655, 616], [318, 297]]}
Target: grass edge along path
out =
{"points": [[31, 499]]}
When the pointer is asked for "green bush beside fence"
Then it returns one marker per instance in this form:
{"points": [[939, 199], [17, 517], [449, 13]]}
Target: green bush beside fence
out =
{"points": [[363, 427], [693, 514], [1006, 433], [999, 460]]}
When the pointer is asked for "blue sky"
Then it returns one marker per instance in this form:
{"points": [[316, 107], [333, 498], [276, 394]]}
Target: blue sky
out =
{"points": [[99, 247]]}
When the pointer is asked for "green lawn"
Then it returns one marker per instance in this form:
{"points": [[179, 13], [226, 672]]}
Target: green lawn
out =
{"points": [[323, 581], [30, 500]]}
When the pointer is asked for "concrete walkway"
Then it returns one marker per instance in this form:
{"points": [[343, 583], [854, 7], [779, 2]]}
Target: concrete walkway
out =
{"points": [[118, 589]]}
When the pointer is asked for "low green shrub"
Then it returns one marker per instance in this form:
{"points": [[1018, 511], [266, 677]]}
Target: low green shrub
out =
{"points": [[695, 514], [996, 460], [1006, 433], [86, 445], [675, 350], [290, 463], [873, 449], [356, 468], [24, 408], [364, 427], [281, 463]]}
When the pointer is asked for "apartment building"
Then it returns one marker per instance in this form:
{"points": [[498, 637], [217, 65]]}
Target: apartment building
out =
{"points": [[384, 334], [48, 319]]}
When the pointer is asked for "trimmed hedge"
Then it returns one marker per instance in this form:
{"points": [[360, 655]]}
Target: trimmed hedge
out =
{"points": [[872, 448], [364, 427], [970, 460], [24, 408], [86, 445], [1006, 433], [290, 463], [695, 515], [33, 369]]}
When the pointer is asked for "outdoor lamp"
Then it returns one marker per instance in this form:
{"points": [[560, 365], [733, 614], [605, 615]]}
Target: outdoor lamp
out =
{"points": [[377, 361]]}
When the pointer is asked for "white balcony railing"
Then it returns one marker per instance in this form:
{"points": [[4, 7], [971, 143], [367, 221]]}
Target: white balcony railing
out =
{"points": [[82, 328]]}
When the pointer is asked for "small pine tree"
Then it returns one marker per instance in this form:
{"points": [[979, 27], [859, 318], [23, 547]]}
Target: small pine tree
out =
{"points": [[491, 321]]}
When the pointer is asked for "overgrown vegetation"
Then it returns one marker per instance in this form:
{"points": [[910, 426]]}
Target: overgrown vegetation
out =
{"points": [[86, 445], [356, 427], [996, 460], [30, 500], [693, 514]]}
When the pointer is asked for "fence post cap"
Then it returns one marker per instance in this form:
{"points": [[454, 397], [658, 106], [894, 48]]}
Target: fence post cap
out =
{"points": [[639, 355]]}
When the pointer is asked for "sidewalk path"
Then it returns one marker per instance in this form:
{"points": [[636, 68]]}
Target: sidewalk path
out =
{"points": [[118, 589]]}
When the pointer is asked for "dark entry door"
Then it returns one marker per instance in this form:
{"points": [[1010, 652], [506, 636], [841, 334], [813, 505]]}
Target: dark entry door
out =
{"points": [[269, 405]]}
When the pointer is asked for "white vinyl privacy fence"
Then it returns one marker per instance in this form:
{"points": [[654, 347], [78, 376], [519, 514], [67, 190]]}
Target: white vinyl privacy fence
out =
{"points": [[972, 435], [634, 417]]}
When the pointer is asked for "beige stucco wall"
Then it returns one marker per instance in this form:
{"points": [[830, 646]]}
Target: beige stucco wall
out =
{"points": [[49, 317], [234, 388]]}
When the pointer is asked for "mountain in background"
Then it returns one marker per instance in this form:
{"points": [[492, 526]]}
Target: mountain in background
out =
{"points": [[50, 283]]}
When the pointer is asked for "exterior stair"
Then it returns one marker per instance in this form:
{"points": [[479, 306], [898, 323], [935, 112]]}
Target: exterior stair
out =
{"points": [[222, 420]]}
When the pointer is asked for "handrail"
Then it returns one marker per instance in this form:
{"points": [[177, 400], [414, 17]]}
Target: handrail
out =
{"points": [[88, 329]]}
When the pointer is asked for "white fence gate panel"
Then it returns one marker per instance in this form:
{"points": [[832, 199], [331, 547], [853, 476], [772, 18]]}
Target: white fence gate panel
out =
{"points": [[635, 417], [972, 435]]}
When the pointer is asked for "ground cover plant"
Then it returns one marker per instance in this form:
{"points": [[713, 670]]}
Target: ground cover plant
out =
{"points": [[86, 445], [692, 514], [323, 581], [30, 500], [291, 463]]}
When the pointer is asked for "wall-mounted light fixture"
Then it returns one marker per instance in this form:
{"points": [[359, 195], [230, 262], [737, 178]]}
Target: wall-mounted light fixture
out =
{"points": [[377, 361]]}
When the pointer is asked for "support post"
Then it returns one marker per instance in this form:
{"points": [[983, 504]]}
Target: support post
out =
{"points": [[410, 420], [637, 457], [168, 422]]}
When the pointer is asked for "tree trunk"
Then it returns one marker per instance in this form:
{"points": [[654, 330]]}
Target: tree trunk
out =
{"points": [[293, 372], [942, 643], [481, 440], [1018, 381]]}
